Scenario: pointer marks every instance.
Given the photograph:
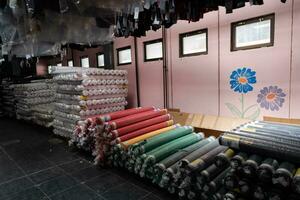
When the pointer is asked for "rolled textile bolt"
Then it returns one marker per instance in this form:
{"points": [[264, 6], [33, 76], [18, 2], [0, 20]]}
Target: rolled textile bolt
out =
{"points": [[231, 179], [209, 174], [212, 143], [216, 183], [296, 181], [238, 160], [259, 193], [133, 127], [275, 194], [191, 195], [251, 165], [245, 187], [219, 194], [230, 196], [204, 196], [223, 159], [283, 176], [205, 160], [266, 170], [267, 148], [171, 189], [143, 131]]}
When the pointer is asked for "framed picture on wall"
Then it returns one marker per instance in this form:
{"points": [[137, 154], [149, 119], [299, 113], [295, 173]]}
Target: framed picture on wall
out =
{"points": [[124, 55], [84, 62], [153, 50], [193, 43], [100, 60], [253, 33]]}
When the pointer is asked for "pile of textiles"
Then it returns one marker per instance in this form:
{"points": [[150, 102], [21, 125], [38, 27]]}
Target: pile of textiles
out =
{"points": [[8, 98], [85, 93]]}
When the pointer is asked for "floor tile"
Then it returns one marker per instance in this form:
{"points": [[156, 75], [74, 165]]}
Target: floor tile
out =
{"points": [[46, 175], [14, 186], [57, 185], [105, 182], [76, 165], [150, 197], [126, 191], [29, 194], [79, 192], [8, 169], [89, 173]]}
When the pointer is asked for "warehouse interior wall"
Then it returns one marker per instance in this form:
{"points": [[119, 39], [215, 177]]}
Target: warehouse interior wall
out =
{"points": [[201, 84]]}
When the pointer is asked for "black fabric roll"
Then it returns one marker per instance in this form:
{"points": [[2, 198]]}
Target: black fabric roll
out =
{"points": [[209, 174], [259, 193], [223, 159], [250, 166], [276, 194], [215, 184], [238, 160], [283, 176], [220, 194], [230, 196], [245, 187], [231, 179], [296, 182], [267, 148], [266, 170]]}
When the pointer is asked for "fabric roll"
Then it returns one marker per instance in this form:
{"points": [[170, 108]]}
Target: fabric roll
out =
{"points": [[238, 160], [142, 131], [250, 166], [127, 129], [131, 119], [123, 113], [296, 181], [231, 180], [223, 159], [209, 174], [266, 170], [216, 183], [135, 140], [283, 176]]}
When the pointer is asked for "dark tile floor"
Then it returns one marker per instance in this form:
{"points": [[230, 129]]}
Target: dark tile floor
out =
{"points": [[36, 165]]}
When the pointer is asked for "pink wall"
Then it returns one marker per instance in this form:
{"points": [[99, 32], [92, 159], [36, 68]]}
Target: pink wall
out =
{"points": [[200, 84]]}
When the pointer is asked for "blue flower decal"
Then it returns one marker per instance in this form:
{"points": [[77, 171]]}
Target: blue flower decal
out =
{"points": [[271, 98], [242, 79]]}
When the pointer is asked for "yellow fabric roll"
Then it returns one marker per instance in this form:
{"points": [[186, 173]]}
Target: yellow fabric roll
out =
{"points": [[127, 143]]}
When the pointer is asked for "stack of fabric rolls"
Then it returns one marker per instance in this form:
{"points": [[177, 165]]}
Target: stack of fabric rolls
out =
{"points": [[267, 165], [8, 98], [85, 93], [31, 98]]}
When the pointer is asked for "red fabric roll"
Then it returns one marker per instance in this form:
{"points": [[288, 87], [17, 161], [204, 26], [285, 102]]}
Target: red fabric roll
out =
{"points": [[127, 129], [122, 113], [143, 131], [131, 119]]}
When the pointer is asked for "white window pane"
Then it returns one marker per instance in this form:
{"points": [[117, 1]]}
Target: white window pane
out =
{"points": [[100, 60], [124, 56], [253, 34], [154, 51], [194, 44], [85, 62], [59, 64], [70, 63]]}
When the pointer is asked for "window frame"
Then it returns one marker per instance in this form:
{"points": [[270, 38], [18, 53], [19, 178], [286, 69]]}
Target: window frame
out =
{"points": [[98, 54], [192, 33], [152, 42], [69, 61], [122, 49], [270, 17], [82, 57]]}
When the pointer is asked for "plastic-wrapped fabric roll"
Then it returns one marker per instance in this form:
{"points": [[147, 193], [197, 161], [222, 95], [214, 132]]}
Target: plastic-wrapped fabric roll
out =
{"points": [[231, 179], [166, 150], [259, 193], [131, 119], [250, 166], [207, 158], [223, 159], [135, 140], [266, 170], [127, 129], [278, 128], [256, 146], [238, 160], [122, 113], [275, 194], [161, 139], [199, 152], [283, 176], [143, 131], [245, 187], [210, 173], [220, 194], [216, 183], [296, 182]]}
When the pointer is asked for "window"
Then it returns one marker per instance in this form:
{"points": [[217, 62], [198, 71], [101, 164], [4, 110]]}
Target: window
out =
{"points": [[100, 60], [193, 43], [124, 55], [153, 50], [70, 63], [253, 33], [59, 64], [84, 62]]}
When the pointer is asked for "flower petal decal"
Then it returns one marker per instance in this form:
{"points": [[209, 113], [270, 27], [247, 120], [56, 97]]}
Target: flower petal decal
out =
{"points": [[242, 79], [271, 98]]}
